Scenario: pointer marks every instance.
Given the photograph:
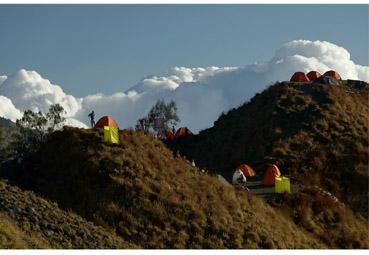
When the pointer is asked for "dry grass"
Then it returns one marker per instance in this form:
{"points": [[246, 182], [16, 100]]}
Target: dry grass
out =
{"points": [[12, 237], [316, 133], [153, 199], [150, 197]]}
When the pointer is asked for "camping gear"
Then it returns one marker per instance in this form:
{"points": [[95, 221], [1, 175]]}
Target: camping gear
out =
{"points": [[270, 174], [106, 121], [246, 170], [312, 75], [299, 77], [111, 134], [333, 74], [357, 84], [222, 180], [183, 132], [326, 80], [282, 184], [238, 177], [169, 135]]}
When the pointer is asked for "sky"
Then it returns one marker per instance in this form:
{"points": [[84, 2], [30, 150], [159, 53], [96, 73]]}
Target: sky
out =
{"points": [[88, 49], [118, 60]]}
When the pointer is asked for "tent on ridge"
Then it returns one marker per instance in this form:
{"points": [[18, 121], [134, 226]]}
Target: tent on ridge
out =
{"points": [[238, 177], [168, 134], [246, 170], [312, 75], [106, 121], [333, 74], [183, 132], [325, 80], [270, 174], [222, 179], [299, 77]]}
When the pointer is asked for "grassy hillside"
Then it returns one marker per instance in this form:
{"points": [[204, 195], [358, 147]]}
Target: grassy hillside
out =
{"points": [[151, 198], [315, 133], [28, 221], [140, 192]]}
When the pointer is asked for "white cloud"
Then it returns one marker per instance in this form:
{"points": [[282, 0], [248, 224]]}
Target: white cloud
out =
{"points": [[201, 93], [28, 90], [8, 110], [321, 56]]}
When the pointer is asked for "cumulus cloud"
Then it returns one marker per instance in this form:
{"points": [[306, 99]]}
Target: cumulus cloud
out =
{"points": [[8, 110], [202, 94], [29, 90]]}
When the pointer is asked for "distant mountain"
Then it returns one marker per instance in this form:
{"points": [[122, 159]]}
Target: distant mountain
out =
{"points": [[6, 123]]}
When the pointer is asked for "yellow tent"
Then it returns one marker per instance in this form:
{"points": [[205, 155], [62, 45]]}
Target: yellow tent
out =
{"points": [[282, 184], [111, 134]]}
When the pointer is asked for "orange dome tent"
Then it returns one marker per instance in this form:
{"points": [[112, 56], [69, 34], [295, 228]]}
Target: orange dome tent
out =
{"points": [[246, 170], [299, 77], [270, 174], [333, 74], [312, 75], [183, 132], [169, 135], [106, 121]]}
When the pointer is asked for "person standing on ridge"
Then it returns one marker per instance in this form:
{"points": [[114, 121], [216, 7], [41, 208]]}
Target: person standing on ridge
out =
{"points": [[92, 118]]}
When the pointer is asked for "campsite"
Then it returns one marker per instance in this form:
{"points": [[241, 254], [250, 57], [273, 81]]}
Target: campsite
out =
{"points": [[145, 186], [184, 128]]}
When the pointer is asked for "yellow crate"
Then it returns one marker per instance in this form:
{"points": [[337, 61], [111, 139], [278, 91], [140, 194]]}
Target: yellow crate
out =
{"points": [[282, 184], [111, 134]]}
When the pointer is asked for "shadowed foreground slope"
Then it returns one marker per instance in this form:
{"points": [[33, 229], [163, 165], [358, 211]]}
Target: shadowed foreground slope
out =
{"points": [[150, 198], [28, 221]]}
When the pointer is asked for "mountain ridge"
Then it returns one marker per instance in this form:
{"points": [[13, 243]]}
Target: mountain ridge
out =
{"points": [[152, 197]]}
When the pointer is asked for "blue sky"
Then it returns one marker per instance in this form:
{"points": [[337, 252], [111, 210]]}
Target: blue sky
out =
{"points": [[108, 48]]}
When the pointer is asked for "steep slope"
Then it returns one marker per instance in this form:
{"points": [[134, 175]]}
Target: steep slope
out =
{"points": [[12, 237], [317, 134], [314, 132], [28, 221], [150, 197]]}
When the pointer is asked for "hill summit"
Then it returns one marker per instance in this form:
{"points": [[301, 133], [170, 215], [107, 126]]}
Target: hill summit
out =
{"points": [[149, 197], [316, 133]]}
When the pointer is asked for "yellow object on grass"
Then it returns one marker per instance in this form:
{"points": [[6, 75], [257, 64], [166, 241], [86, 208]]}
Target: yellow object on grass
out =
{"points": [[282, 184], [111, 134]]}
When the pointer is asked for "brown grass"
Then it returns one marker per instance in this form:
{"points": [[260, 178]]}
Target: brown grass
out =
{"points": [[12, 237], [317, 134], [150, 197]]}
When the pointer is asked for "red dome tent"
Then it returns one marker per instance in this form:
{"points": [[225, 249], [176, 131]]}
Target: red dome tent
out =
{"points": [[333, 74], [169, 135], [270, 174], [246, 170], [312, 75], [106, 121], [299, 77], [183, 132]]}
